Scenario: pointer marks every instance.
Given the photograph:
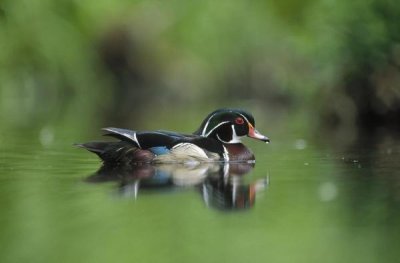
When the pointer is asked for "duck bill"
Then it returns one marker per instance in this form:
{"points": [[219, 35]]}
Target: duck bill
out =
{"points": [[253, 133]]}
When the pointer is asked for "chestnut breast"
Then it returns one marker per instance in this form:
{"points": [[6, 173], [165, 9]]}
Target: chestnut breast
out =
{"points": [[239, 152]]}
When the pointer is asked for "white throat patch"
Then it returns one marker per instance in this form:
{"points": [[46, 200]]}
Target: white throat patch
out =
{"points": [[235, 138]]}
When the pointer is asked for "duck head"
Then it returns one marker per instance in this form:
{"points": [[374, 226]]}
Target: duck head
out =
{"points": [[229, 126]]}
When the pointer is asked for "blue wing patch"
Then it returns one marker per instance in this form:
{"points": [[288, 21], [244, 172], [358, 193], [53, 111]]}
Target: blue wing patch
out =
{"points": [[159, 150]]}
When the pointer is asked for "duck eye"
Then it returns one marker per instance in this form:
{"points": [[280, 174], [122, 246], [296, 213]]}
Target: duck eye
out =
{"points": [[239, 120]]}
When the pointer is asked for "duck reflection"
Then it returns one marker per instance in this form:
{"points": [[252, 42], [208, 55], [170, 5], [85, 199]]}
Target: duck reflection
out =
{"points": [[231, 192], [222, 185]]}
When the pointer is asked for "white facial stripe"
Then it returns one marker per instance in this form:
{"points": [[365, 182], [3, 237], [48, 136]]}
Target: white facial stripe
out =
{"points": [[244, 118], [205, 126], [203, 133], [235, 138], [215, 128]]}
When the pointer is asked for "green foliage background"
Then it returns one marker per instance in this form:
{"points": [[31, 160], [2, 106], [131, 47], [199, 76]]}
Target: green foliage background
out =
{"points": [[83, 60]]}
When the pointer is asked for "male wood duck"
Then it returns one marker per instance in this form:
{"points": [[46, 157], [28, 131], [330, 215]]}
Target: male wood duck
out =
{"points": [[217, 139]]}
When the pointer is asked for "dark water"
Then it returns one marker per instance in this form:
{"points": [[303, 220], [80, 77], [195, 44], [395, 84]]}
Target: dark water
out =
{"points": [[299, 203]]}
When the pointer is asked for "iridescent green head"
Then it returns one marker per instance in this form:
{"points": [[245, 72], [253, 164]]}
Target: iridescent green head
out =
{"points": [[229, 125]]}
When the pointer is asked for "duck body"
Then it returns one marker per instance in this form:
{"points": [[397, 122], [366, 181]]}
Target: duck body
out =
{"points": [[217, 139]]}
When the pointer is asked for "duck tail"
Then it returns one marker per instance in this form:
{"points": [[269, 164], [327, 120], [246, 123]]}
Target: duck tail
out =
{"points": [[98, 148], [121, 152]]}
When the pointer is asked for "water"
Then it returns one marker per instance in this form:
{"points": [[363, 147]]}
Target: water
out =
{"points": [[302, 202]]}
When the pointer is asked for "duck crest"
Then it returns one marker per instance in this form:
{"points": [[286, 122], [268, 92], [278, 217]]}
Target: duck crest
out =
{"points": [[217, 139]]}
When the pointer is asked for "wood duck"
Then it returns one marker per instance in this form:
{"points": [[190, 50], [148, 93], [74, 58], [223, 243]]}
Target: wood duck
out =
{"points": [[217, 139]]}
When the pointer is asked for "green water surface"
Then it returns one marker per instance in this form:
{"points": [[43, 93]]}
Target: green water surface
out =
{"points": [[321, 205]]}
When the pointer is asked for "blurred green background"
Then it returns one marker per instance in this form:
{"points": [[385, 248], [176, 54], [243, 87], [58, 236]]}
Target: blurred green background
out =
{"points": [[321, 77], [119, 62]]}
